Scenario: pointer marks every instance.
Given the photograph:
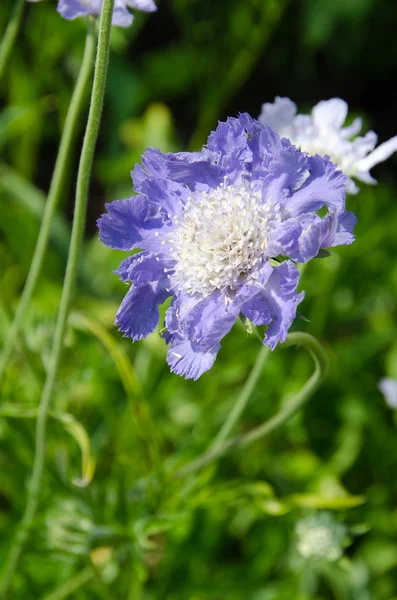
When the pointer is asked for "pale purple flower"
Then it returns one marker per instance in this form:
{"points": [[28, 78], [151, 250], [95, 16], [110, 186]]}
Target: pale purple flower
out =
{"points": [[388, 387], [71, 9], [210, 226], [323, 133]]}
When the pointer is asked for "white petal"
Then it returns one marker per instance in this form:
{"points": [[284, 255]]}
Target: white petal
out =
{"points": [[353, 129], [388, 387], [351, 187], [362, 145], [145, 5], [365, 177], [330, 114], [380, 154], [278, 114], [303, 126]]}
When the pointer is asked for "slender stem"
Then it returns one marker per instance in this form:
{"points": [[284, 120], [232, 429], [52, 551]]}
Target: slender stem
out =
{"points": [[33, 201], [54, 194], [82, 187], [101, 587], [320, 360], [10, 35], [242, 399], [72, 585]]}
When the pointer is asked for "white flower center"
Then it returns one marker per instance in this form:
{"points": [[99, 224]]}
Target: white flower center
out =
{"points": [[220, 239], [320, 537]]}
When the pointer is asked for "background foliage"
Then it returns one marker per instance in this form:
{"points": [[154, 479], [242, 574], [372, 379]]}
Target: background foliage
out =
{"points": [[113, 523]]}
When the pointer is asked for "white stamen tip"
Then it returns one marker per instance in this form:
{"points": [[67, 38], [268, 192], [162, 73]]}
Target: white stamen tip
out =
{"points": [[220, 238]]}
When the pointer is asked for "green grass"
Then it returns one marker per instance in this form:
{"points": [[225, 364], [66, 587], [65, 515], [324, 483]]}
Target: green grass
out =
{"points": [[113, 523]]}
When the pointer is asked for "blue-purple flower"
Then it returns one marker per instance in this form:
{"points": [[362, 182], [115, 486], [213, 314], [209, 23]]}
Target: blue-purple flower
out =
{"points": [[71, 9], [218, 231]]}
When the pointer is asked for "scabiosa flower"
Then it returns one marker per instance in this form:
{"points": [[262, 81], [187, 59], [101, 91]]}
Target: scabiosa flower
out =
{"points": [[209, 225], [388, 387], [323, 133], [320, 537], [71, 9]]}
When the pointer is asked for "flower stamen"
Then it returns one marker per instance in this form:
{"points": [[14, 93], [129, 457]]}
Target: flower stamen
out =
{"points": [[220, 238]]}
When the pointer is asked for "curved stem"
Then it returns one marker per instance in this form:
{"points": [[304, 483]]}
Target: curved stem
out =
{"points": [[10, 35], [243, 398], [83, 178], [320, 360], [54, 194]]}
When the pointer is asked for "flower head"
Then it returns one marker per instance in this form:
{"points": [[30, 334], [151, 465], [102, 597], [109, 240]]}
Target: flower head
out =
{"points": [[320, 537], [69, 526], [323, 133], [71, 9], [388, 387], [210, 225]]}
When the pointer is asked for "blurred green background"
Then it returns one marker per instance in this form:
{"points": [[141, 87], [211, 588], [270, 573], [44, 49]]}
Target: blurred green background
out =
{"points": [[311, 512]]}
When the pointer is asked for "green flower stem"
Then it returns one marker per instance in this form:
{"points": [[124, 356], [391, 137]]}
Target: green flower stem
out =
{"points": [[82, 188], [10, 35], [242, 399], [320, 360], [72, 585], [57, 185]]}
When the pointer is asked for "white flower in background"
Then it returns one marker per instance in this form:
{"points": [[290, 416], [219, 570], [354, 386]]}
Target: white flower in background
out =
{"points": [[320, 537], [322, 133], [388, 387], [69, 527]]}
